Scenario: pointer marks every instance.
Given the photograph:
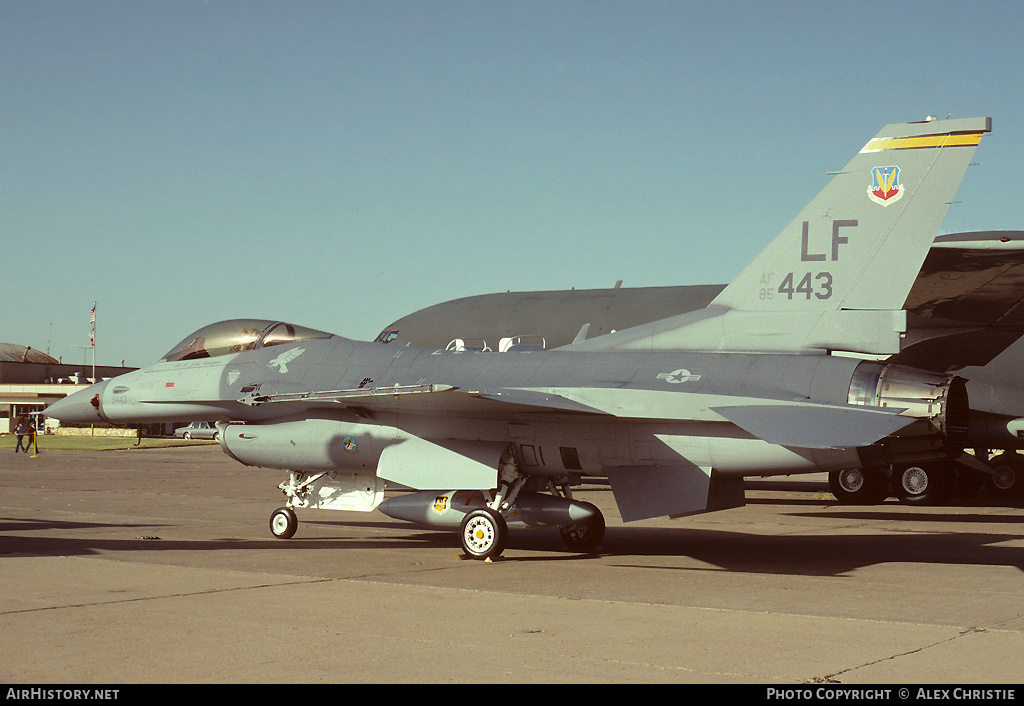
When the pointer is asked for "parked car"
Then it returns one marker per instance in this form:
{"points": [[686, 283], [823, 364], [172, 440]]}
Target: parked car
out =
{"points": [[198, 430]]}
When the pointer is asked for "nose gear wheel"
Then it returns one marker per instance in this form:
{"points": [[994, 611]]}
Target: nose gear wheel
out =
{"points": [[283, 523]]}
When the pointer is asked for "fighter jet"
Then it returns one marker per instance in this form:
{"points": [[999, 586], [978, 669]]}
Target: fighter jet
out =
{"points": [[965, 314], [674, 413]]}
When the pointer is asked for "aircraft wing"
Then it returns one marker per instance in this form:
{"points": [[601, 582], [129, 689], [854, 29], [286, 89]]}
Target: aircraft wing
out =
{"points": [[788, 423], [796, 423], [967, 303]]}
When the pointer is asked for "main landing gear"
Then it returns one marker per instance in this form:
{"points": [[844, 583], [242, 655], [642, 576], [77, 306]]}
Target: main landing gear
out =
{"points": [[859, 486], [484, 534], [1007, 479], [482, 518], [929, 483]]}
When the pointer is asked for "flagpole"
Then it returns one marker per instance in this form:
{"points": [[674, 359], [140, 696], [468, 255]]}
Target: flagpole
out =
{"points": [[92, 340]]}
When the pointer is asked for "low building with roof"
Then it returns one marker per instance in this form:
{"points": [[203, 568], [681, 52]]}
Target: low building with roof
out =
{"points": [[31, 380]]}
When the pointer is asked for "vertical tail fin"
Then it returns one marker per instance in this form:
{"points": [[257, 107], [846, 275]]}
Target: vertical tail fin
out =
{"points": [[837, 276], [861, 242]]}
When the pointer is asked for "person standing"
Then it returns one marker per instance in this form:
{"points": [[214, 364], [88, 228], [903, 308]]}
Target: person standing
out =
{"points": [[30, 432], [19, 432]]}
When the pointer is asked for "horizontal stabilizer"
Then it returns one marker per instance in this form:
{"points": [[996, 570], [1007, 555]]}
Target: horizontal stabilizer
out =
{"points": [[814, 426]]}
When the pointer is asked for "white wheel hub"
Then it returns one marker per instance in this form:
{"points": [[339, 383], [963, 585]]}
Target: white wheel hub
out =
{"points": [[480, 534], [280, 523], [915, 480], [851, 480]]}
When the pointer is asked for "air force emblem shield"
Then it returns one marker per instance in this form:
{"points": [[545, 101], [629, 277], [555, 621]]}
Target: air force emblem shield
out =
{"points": [[885, 185]]}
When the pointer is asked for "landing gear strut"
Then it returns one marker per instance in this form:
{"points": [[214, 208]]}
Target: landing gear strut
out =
{"points": [[283, 522], [484, 532]]}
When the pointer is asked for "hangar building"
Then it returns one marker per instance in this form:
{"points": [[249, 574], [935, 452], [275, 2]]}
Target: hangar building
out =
{"points": [[30, 380]]}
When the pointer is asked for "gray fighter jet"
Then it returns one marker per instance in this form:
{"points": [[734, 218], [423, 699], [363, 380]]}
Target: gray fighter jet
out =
{"points": [[674, 413], [965, 314]]}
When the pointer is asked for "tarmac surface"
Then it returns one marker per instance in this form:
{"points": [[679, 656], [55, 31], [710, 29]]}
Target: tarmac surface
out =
{"points": [[158, 566]]}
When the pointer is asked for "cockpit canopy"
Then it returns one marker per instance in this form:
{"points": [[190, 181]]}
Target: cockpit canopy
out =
{"points": [[237, 335]]}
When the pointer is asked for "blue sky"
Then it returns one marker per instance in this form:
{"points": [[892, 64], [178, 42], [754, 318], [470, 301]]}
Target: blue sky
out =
{"points": [[340, 164]]}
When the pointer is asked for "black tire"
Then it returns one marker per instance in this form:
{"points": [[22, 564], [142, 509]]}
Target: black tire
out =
{"points": [[858, 486], [484, 534], [922, 483], [283, 523], [187, 436], [1007, 481], [583, 536], [968, 481]]}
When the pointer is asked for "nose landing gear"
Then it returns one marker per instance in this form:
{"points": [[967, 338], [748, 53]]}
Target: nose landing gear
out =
{"points": [[283, 523]]}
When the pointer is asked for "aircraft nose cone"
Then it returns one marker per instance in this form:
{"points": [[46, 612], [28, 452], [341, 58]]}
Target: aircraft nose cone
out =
{"points": [[80, 407]]}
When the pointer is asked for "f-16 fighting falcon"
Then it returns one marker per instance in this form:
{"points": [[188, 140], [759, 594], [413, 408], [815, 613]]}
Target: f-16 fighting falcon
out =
{"points": [[674, 413]]}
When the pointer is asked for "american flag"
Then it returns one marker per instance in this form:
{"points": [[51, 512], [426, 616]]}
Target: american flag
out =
{"points": [[92, 320]]}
